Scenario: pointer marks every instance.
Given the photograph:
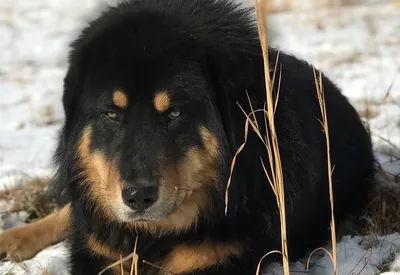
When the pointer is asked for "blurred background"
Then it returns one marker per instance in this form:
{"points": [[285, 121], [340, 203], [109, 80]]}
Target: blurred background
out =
{"points": [[355, 42]]}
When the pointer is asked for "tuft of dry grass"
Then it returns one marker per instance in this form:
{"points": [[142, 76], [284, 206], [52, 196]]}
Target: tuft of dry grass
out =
{"points": [[134, 266], [271, 140], [29, 195], [383, 212], [381, 215]]}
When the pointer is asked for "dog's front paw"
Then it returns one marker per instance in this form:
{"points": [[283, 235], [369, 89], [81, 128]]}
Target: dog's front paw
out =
{"points": [[18, 244]]}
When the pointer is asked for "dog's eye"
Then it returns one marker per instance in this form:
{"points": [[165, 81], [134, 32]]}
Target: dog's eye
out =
{"points": [[174, 115], [112, 116]]}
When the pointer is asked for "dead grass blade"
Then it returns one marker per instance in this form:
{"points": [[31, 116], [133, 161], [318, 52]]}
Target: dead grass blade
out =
{"points": [[271, 139], [269, 253], [246, 128], [321, 100], [132, 256], [315, 250], [159, 267], [135, 260], [122, 265]]}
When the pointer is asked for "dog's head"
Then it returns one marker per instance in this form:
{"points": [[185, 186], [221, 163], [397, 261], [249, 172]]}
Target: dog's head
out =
{"points": [[145, 101]]}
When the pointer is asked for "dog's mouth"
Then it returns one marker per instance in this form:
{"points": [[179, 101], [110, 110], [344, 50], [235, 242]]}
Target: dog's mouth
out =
{"points": [[177, 210], [160, 209], [126, 214]]}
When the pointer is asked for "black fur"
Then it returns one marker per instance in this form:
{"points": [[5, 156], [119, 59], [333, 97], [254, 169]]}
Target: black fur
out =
{"points": [[208, 53]]}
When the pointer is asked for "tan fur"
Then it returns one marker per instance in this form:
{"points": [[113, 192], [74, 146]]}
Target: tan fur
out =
{"points": [[181, 219], [181, 183], [195, 172], [117, 270], [185, 258], [161, 101], [120, 99], [209, 157], [101, 249], [210, 142], [24, 242], [201, 168], [102, 179]]}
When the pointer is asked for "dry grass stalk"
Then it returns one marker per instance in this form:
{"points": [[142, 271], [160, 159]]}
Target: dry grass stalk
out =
{"points": [[271, 135], [246, 129], [122, 265], [270, 140], [324, 123], [315, 250], [132, 256], [122, 260], [134, 266], [272, 146], [159, 267]]}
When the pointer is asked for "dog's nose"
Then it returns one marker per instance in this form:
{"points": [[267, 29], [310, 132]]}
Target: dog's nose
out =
{"points": [[140, 198]]}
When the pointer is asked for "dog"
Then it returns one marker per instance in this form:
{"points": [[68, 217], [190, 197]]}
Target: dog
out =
{"points": [[155, 98]]}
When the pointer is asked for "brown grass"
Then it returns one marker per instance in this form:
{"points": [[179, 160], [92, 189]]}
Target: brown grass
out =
{"points": [[382, 214], [271, 140], [28, 195], [324, 123], [321, 99]]}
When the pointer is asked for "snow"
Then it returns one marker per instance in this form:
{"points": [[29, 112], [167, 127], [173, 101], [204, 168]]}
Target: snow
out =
{"points": [[355, 255], [53, 260], [358, 47]]}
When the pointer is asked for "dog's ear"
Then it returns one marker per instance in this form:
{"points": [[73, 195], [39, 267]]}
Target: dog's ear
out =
{"points": [[72, 92], [72, 88]]}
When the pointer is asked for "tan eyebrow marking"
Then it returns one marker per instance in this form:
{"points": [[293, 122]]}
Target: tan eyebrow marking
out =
{"points": [[161, 101], [120, 99]]}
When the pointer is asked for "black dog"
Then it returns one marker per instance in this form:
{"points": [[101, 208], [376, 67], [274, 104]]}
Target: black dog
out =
{"points": [[152, 121]]}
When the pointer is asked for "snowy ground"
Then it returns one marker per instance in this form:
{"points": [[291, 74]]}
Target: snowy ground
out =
{"points": [[359, 48]]}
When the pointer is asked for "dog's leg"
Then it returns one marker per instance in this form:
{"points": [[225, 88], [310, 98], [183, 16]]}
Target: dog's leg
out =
{"points": [[24, 242]]}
